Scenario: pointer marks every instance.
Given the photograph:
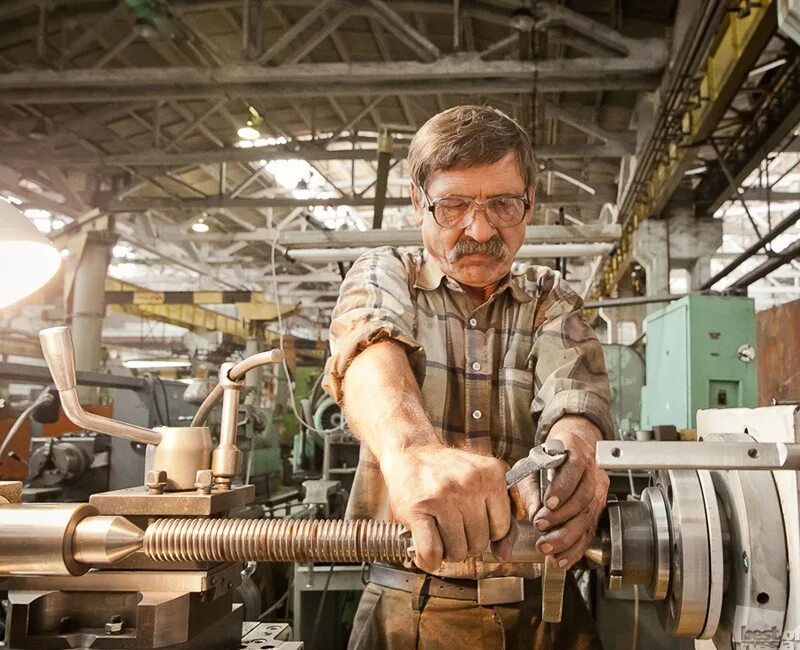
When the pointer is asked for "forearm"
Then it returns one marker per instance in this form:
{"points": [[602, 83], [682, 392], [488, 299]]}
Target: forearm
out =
{"points": [[576, 425], [383, 404]]}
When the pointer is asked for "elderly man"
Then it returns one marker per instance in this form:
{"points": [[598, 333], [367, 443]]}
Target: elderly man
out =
{"points": [[450, 368]]}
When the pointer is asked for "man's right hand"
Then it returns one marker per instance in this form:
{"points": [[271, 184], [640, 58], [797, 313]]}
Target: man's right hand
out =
{"points": [[454, 502]]}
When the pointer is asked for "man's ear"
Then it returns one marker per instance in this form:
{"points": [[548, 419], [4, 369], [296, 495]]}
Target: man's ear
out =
{"points": [[417, 201]]}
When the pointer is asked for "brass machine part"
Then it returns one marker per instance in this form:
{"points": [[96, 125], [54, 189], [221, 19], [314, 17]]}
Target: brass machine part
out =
{"points": [[178, 451], [301, 540], [236, 373], [226, 460], [276, 540], [61, 539], [59, 353]]}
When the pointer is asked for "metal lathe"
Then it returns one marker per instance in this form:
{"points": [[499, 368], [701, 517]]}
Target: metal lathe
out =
{"points": [[712, 543]]}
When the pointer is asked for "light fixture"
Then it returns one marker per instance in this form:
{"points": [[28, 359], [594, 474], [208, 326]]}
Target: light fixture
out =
{"points": [[156, 364], [251, 130], [27, 258], [248, 132], [200, 225]]}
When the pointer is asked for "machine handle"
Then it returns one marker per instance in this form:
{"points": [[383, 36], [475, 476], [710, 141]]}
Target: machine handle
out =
{"points": [[59, 353]]}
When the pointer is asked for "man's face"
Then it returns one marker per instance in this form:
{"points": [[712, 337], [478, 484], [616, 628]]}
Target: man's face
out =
{"points": [[478, 255]]}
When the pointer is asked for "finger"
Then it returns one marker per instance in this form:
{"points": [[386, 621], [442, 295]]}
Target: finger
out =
{"points": [[580, 499], [428, 548], [573, 555], [498, 511], [566, 480], [502, 548], [454, 538], [476, 527], [530, 494], [558, 540]]}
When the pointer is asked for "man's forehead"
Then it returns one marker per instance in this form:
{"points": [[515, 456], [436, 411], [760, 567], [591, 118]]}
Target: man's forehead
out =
{"points": [[502, 176]]}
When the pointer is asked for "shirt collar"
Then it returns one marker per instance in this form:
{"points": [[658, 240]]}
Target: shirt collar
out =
{"points": [[430, 276]]}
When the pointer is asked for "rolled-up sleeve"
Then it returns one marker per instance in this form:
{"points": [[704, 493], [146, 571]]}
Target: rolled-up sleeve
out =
{"points": [[374, 305], [569, 369]]}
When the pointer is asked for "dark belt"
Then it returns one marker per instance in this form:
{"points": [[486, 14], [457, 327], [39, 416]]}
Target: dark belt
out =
{"points": [[486, 591]]}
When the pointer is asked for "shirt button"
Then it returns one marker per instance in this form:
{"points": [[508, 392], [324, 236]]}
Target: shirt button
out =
{"points": [[476, 415], [473, 322], [476, 366]]}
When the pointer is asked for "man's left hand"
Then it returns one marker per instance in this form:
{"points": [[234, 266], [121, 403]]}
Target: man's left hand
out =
{"points": [[576, 496]]}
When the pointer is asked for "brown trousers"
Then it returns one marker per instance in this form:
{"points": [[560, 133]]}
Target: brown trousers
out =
{"points": [[386, 620]]}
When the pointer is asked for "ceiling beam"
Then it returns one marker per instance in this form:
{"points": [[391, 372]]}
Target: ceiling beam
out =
{"points": [[448, 75], [157, 158], [142, 204], [295, 240]]}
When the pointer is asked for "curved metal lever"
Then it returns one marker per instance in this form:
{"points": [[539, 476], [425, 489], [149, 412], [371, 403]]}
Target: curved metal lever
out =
{"points": [[59, 353]]}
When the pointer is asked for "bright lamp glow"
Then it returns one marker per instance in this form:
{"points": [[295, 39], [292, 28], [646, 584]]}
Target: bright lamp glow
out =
{"points": [[248, 133], [200, 225], [27, 258], [156, 364]]}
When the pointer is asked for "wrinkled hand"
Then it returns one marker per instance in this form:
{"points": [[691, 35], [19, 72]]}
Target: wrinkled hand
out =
{"points": [[574, 499], [454, 502]]}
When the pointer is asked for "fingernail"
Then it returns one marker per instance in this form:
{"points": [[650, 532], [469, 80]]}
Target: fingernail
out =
{"points": [[546, 548], [552, 503], [542, 524], [562, 563]]}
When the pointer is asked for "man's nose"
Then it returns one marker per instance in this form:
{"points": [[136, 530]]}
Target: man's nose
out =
{"points": [[480, 229]]}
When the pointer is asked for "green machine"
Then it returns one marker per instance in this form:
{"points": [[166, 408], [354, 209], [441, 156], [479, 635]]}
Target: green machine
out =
{"points": [[700, 354]]}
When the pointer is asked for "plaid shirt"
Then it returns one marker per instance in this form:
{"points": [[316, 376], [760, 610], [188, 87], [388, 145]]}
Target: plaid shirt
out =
{"points": [[493, 378]]}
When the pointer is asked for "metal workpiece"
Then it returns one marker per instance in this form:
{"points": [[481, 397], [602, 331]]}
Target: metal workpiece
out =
{"points": [[103, 540], [623, 455], [59, 353], [299, 540], [276, 540], [38, 539], [183, 451]]}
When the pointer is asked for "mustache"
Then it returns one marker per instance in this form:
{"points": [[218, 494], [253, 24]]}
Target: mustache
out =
{"points": [[495, 247]]}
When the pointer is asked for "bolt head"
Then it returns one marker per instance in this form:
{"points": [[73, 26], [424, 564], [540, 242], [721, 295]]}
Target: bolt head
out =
{"points": [[153, 478], [204, 478]]}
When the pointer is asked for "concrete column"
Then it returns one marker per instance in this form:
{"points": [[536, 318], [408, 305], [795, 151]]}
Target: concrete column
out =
{"points": [[689, 243], [88, 305]]}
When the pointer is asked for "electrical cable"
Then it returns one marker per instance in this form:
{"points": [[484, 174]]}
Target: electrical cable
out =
{"points": [[277, 603], [166, 398], [150, 379], [320, 607], [635, 632], [300, 419], [43, 398]]}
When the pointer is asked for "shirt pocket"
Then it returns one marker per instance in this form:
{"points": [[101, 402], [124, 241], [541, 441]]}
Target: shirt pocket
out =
{"points": [[515, 387]]}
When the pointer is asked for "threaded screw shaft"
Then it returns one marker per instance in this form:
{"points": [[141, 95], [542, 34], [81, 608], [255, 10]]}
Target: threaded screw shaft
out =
{"points": [[276, 540]]}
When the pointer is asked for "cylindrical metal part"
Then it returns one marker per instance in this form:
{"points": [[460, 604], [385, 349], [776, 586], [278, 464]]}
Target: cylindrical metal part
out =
{"points": [[297, 540], [226, 461], [182, 452], [208, 404], [238, 371], [276, 540], [37, 539], [637, 543], [102, 540]]}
